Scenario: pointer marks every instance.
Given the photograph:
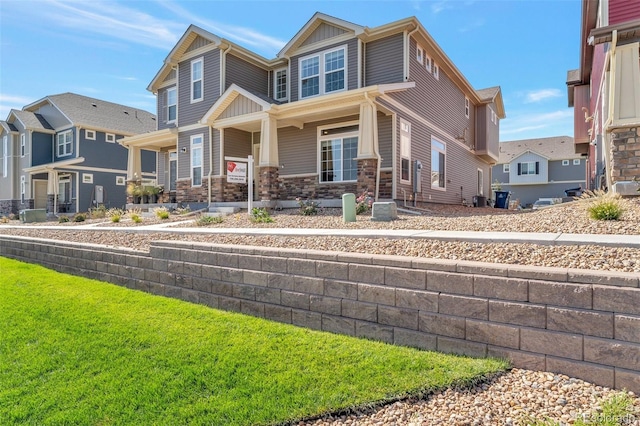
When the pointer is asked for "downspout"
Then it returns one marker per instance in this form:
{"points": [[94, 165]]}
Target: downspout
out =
{"points": [[373, 105], [210, 165], [223, 68], [407, 60], [607, 130]]}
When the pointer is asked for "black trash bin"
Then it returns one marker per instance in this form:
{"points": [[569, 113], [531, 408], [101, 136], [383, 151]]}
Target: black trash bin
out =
{"points": [[502, 199]]}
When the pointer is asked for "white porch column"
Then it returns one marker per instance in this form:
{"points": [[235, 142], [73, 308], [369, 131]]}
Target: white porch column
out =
{"points": [[134, 164], [368, 131], [269, 143], [52, 182]]}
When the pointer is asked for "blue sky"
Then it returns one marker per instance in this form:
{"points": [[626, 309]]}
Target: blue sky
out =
{"points": [[111, 50]]}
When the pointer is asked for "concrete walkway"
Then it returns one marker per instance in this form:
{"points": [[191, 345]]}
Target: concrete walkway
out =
{"points": [[607, 240]]}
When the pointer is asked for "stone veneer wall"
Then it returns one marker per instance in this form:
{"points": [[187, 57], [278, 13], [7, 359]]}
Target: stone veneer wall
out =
{"points": [[582, 323], [309, 187], [8, 207], [625, 151]]}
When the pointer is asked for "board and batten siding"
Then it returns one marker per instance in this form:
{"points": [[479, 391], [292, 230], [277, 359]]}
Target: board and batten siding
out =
{"points": [[53, 116], [246, 75], [385, 139], [162, 109], [384, 61], [240, 106], [190, 113], [352, 66], [543, 169], [184, 158], [323, 32]]}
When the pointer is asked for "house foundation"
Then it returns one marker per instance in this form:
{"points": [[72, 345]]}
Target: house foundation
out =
{"points": [[625, 155]]}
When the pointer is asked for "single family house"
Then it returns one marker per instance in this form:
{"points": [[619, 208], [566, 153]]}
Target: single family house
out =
{"points": [[539, 168], [341, 108], [61, 154]]}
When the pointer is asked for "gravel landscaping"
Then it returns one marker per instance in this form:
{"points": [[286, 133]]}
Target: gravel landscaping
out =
{"points": [[506, 400]]}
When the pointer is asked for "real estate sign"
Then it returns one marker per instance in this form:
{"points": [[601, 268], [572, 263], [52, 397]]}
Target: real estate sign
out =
{"points": [[236, 172]]}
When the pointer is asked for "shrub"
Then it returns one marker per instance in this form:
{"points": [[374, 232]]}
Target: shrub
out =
{"points": [[79, 217], [162, 213], [183, 210], [63, 219], [603, 205], [308, 207], [261, 215], [135, 215], [99, 212], [204, 220], [115, 215], [364, 203], [4, 219]]}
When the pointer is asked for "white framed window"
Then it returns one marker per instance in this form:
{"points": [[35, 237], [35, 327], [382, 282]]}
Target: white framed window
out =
{"points": [[565, 162], [323, 73], [466, 107], [338, 151], [87, 178], [110, 137], [196, 160], [506, 168], [121, 180], [494, 117], [64, 143], [528, 168], [90, 135], [419, 54], [438, 161], [23, 144], [280, 84], [23, 188], [172, 104], [436, 71], [405, 151], [427, 62], [5, 155], [197, 92], [576, 161]]}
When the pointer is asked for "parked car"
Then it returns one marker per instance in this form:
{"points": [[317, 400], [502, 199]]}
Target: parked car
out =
{"points": [[541, 204]]}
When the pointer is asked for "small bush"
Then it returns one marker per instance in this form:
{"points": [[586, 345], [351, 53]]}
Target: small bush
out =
{"points": [[308, 207], [162, 213], [136, 218], [63, 219], [204, 220], [99, 212], [183, 210], [364, 203], [79, 217], [261, 215], [603, 205], [115, 215], [4, 219]]}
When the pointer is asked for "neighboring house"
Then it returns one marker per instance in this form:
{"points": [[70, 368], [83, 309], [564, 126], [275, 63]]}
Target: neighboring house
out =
{"points": [[342, 108], [605, 94], [60, 154], [539, 168]]}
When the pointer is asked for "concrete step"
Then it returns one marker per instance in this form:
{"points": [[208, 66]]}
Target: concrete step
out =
{"points": [[224, 210]]}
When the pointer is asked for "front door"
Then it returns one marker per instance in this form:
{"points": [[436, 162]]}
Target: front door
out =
{"points": [[40, 194]]}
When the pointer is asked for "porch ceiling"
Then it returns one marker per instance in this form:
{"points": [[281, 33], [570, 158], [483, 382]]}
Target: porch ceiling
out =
{"points": [[154, 141]]}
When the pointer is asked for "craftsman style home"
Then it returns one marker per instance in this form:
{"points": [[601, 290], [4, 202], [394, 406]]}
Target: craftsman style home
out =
{"points": [[60, 154], [342, 108], [539, 168], [605, 94]]}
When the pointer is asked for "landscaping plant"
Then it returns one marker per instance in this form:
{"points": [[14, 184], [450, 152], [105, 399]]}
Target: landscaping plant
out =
{"points": [[603, 205], [204, 220], [162, 213], [261, 215], [115, 214], [63, 219], [308, 207], [364, 203], [79, 217]]}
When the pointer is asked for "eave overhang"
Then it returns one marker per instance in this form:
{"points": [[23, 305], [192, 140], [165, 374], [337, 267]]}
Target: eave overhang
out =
{"points": [[54, 165], [153, 141]]}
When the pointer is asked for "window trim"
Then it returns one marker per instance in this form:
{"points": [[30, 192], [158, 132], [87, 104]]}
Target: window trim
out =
{"points": [[110, 137], [528, 163], [419, 54], [201, 80], [427, 63], [92, 137], [506, 168], [175, 90], [59, 145], [23, 145], [121, 180], [576, 161], [286, 84], [444, 173], [565, 162], [193, 147], [322, 73], [408, 154], [87, 178], [343, 135], [467, 106], [436, 71]]}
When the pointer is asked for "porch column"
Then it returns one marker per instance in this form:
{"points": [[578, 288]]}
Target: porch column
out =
{"points": [[269, 162], [134, 164], [368, 149], [52, 190]]}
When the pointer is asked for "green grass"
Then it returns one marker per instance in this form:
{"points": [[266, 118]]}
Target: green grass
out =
{"points": [[79, 351]]}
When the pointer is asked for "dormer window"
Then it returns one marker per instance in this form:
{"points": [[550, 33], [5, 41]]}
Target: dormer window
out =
{"points": [[323, 73], [196, 80], [280, 84]]}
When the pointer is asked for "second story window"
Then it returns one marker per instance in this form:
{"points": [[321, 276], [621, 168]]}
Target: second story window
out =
{"points": [[466, 107], [529, 168], [419, 55], [64, 143], [23, 144], [323, 73], [196, 80], [196, 160], [280, 84], [438, 159], [172, 105], [506, 168], [405, 151]]}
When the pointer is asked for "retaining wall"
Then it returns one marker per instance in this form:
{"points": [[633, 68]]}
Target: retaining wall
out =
{"points": [[585, 324]]}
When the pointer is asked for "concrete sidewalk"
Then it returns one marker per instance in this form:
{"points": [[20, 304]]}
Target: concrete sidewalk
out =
{"points": [[607, 240]]}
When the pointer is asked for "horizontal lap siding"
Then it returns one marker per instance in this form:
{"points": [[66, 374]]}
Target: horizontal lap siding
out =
{"points": [[190, 113], [558, 172], [99, 153], [621, 11], [162, 109], [246, 75], [384, 61], [237, 143], [184, 158], [385, 139]]}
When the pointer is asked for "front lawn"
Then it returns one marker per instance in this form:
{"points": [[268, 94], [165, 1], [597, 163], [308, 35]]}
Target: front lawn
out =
{"points": [[79, 351]]}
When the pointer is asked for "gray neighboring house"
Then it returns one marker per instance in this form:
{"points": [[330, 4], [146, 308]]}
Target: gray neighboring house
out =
{"points": [[539, 168], [60, 154]]}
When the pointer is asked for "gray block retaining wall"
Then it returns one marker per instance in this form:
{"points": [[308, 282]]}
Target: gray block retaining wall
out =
{"points": [[585, 324]]}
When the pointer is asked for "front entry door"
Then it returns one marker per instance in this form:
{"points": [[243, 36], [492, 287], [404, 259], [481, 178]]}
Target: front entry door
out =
{"points": [[40, 194]]}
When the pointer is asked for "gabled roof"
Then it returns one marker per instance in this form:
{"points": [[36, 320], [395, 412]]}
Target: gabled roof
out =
{"points": [[316, 21], [8, 127], [30, 120], [553, 148], [493, 95], [98, 114]]}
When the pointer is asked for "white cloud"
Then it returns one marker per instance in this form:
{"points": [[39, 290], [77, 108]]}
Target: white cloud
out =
{"points": [[541, 95], [9, 102], [555, 123]]}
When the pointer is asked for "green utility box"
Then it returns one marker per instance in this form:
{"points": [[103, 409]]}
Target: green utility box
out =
{"points": [[33, 215]]}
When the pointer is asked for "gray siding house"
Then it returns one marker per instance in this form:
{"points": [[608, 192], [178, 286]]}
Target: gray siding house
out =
{"points": [[539, 168], [61, 154], [342, 108]]}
